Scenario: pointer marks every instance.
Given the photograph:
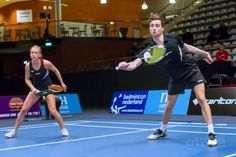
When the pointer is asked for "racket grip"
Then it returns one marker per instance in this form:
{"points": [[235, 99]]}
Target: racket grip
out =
{"points": [[117, 68]]}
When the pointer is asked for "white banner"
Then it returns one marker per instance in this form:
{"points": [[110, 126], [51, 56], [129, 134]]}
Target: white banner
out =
{"points": [[24, 16]]}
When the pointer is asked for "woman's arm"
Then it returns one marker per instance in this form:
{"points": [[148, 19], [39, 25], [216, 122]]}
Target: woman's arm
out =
{"points": [[51, 67], [27, 79]]}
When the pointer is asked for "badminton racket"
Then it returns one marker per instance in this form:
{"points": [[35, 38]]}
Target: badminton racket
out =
{"points": [[152, 55], [52, 89]]}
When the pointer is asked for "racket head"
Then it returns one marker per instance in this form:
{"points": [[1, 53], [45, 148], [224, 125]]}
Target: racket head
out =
{"points": [[55, 88], [156, 55]]}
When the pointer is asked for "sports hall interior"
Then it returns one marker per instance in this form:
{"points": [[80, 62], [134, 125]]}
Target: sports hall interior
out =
{"points": [[86, 39]]}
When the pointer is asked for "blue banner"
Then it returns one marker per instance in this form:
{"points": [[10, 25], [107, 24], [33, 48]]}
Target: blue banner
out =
{"points": [[148, 102], [157, 100], [129, 102], [69, 104]]}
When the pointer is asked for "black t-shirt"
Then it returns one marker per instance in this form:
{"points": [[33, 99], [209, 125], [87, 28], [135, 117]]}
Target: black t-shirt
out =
{"points": [[41, 79], [178, 66]]}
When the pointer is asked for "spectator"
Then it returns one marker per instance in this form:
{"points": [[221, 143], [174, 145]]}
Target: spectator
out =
{"points": [[222, 54], [187, 37], [212, 34], [223, 31]]}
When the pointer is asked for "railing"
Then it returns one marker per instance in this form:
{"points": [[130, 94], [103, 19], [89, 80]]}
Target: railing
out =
{"points": [[37, 30]]}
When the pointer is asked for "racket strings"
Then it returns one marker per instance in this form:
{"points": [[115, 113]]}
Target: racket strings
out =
{"points": [[55, 88]]}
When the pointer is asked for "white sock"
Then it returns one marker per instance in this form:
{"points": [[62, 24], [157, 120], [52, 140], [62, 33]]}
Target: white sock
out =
{"points": [[210, 128], [163, 127]]}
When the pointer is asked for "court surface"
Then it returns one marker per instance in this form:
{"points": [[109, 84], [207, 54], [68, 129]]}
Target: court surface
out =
{"points": [[100, 134]]}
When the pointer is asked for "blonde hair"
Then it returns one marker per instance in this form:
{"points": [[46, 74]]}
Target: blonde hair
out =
{"points": [[37, 47], [154, 16]]}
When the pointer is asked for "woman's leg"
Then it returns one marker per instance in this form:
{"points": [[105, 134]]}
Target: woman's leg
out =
{"points": [[28, 103], [50, 99]]}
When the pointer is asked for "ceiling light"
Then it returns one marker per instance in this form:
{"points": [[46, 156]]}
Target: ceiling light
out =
{"points": [[144, 5], [172, 1], [103, 1]]}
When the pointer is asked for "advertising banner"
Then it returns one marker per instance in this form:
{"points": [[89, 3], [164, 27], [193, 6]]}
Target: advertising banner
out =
{"points": [[23, 16], [129, 102], [70, 104], [221, 100], [11, 106], [157, 101], [147, 102]]}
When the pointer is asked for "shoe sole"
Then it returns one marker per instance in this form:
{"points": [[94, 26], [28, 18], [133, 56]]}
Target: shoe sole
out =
{"points": [[157, 137], [212, 145]]}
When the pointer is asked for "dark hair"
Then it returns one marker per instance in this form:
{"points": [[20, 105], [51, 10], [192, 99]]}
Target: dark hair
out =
{"points": [[154, 16]]}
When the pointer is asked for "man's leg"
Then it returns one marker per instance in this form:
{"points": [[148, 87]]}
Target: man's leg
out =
{"points": [[161, 132], [199, 91]]}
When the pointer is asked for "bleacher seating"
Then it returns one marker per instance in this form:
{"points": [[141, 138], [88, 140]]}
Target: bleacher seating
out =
{"points": [[210, 12]]}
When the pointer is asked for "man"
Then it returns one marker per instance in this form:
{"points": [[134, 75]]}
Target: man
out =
{"points": [[223, 30], [182, 71], [222, 54]]}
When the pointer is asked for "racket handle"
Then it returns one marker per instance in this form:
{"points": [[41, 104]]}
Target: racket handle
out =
{"points": [[117, 68]]}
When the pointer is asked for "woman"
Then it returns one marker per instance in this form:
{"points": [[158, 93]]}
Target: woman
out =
{"points": [[38, 69], [182, 71]]}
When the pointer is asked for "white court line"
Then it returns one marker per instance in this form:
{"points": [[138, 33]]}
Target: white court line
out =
{"points": [[176, 123], [24, 127], [151, 124], [169, 130], [72, 140], [200, 132], [107, 127], [196, 125], [231, 155]]}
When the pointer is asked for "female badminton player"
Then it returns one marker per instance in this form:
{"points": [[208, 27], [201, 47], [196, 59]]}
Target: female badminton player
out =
{"points": [[38, 68], [182, 71]]}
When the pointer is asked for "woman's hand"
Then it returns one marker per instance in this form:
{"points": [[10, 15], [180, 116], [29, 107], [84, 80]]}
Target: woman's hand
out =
{"points": [[64, 87], [35, 91]]}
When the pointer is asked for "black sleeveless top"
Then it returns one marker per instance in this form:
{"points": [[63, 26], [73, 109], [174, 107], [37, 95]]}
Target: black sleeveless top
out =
{"points": [[41, 78]]}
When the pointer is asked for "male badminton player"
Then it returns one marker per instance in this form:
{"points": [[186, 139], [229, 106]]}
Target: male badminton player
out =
{"points": [[38, 69], [182, 71]]}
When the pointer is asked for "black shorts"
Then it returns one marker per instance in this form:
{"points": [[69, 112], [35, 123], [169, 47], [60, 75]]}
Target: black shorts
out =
{"points": [[179, 87]]}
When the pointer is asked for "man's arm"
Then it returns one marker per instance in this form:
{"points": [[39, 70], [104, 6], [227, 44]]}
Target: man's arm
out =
{"points": [[193, 49], [130, 65]]}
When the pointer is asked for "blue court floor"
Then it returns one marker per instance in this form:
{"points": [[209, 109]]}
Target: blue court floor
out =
{"points": [[116, 137]]}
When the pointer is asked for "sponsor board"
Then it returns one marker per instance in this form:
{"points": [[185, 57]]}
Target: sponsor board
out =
{"points": [[129, 102], [157, 101], [147, 102], [222, 101], [70, 104], [11, 106]]}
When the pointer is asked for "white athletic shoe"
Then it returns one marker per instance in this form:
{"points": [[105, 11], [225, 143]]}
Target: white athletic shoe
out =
{"points": [[64, 132], [157, 134], [11, 134], [211, 140]]}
